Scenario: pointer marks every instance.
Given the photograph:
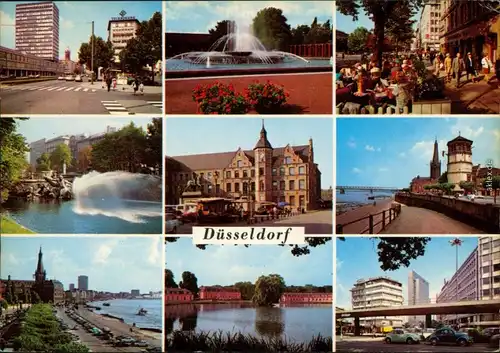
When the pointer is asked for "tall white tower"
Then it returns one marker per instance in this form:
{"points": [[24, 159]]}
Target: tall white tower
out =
{"points": [[459, 160]]}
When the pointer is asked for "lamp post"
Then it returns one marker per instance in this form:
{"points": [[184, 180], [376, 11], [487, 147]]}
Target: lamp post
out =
{"points": [[456, 243], [92, 39]]}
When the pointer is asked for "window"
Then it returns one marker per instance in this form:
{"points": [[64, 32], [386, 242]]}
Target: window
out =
{"points": [[228, 174], [245, 174], [252, 187], [238, 164], [262, 186], [486, 292], [291, 185], [217, 189], [209, 188], [302, 170], [252, 173], [302, 184], [275, 185], [245, 188], [228, 187], [261, 171], [282, 171], [292, 201], [486, 269], [236, 174], [291, 171], [302, 201], [282, 185], [486, 281], [288, 160], [236, 187], [274, 171]]}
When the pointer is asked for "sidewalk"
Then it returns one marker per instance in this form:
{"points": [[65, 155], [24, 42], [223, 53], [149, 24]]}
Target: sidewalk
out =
{"points": [[122, 88]]}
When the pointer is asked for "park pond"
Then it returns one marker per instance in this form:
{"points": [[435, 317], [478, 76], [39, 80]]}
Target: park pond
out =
{"points": [[71, 217], [297, 323]]}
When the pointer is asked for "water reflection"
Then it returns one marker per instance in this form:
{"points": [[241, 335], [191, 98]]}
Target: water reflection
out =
{"points": [[269, 322]]}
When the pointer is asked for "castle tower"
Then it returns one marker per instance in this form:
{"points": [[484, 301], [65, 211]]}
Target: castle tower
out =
{"points": [[263, 154], [67, 54], [435, 163], [459, 166], [40, 274]]}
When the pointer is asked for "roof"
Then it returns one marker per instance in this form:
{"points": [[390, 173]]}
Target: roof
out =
{"points": [[123, 19], [215, 161], [459, 139]]}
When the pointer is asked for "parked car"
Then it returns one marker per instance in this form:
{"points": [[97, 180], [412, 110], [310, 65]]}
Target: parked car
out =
{"points": [[400, 336], [78, 78], [494, 341], [172, 224], [69, 78], [449, 336], [476, 335], [491, 331]]}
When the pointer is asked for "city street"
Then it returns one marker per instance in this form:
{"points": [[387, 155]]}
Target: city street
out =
{"points": [[62, 97], [367, 344], [319, 222]]}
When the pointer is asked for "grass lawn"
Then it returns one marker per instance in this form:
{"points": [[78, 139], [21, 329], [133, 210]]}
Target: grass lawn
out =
{"points": [[8, 226]]}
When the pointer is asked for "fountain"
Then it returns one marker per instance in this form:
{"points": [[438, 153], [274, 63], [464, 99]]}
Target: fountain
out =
{"points": [[237, 47]]}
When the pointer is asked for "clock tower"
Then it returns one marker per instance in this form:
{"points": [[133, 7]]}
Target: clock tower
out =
{"points": [[263, 154]]}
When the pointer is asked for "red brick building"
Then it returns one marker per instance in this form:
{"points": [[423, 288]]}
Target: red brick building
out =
{"points": [[479, 174], [302, 298], [178, 295], [417, 184], [2, 290], [219, 293]]}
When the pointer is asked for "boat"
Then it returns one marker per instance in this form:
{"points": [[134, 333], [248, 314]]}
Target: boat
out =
{"points": [[142, 312], [106, 304]]}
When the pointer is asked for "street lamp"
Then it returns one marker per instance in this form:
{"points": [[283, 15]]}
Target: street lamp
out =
{"points": [[456, 243]]}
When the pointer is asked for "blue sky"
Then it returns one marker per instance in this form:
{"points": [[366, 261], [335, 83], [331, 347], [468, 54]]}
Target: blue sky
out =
{"points": [[228, 264], [75, 19], [200, 16], [38, 128], [357, 258], [347, 25], [114, 264], [392, 151], [210, 135]]}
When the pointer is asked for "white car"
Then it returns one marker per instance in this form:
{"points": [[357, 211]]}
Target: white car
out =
{"points": [[69, 78], [172, 224], [60, 78], [78, 78]]}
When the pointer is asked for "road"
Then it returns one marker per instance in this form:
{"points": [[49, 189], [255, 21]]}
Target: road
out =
{"points": [[61, 97], [415, 220], [377, 345], [318, 222], [481, 199]]}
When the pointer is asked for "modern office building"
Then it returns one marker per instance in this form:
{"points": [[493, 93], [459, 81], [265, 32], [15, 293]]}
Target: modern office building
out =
{"points": [[430, 25], [37, 29], [83, 283], [37, 148], [71, 287], [120, 31], [135, 292], [377, 292], [418, 294], [489, 276]]}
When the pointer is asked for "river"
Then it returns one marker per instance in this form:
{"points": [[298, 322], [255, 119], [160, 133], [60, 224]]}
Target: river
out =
{"points": [[361, 196], [127, 310], [298, 323], [53, 217]]}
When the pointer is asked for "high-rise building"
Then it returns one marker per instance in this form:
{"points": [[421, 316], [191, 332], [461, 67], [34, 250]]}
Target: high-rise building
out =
{"points": [[135, 292], [120, 31], [377, 292], [430, 25], [37, 148], [71, 287], [418, 294], [489, 276], [83, 282], [37, 29]]}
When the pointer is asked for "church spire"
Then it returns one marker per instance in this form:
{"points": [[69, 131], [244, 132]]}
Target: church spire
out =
{"points": [[40, 272], [435, 163], [435, 156], [263, 141]]}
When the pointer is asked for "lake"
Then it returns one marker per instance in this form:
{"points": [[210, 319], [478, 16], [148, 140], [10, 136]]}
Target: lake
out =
{"points": [[128, 308], [68, 217], [298, 323]]}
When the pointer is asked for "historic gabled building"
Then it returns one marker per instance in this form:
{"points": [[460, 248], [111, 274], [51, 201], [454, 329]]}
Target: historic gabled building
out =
{"points": [[264, 174], [178, 295], [49, 291], [417, 184]]}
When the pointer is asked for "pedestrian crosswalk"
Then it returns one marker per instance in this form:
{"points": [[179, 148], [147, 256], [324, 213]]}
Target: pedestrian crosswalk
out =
{"points": [[49, 88], [158, 104], [114, 107]]}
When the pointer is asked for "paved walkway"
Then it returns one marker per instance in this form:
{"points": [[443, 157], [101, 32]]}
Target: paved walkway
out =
{"points": [[416, 220], [310, 93], [477, 98], [360, 212], [98, 85]]}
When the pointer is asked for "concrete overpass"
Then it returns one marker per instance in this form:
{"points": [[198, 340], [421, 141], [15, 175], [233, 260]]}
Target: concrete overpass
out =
{"points": [[368, 188], [462, 307]]}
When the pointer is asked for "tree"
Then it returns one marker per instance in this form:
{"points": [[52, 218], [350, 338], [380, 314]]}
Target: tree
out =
{"points": [[319, 34], [169, 279], [400, 28], [189, 282], [467, 186], [443, 178], [493, 184], [35, 297], [272, 29], [396, 252], [380, 12], [61, 156], [145, 49], [43, 162], [299, 34], [268, 290], [221, 29], [356, 41], [154, 144], [247, 289], [103, 54], [13, 159], [447, 187], [296, 250], [83, 160]]}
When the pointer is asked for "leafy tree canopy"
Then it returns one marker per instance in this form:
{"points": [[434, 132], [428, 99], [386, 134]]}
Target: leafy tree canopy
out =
{"points": [[103, 53]]}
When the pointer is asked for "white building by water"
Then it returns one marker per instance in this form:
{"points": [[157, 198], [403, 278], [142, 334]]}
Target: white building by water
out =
{"points": [[418, 294]]}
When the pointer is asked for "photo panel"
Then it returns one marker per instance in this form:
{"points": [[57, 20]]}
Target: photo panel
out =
{"points": [[94, 175], [418, 176], [257, 174], [441, 291], [417, 57], [262, 298], [81, 58], [249, 57], [94, 294]]}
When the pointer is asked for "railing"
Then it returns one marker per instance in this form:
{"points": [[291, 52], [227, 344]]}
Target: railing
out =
{"points": [[268, 217], [387, 216]]}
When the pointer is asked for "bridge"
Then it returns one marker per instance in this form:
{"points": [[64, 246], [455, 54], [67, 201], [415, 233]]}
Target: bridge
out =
{"points": [[367, 188], [462, 307]]}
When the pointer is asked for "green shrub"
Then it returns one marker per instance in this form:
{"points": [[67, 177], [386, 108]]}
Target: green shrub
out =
{"points": [[72, 347]]}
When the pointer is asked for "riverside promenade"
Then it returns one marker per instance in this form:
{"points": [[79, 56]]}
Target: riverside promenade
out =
{"points": [[310, 93], [362, 212]]}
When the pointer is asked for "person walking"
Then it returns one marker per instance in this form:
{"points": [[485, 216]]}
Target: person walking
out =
{"points": [[458, 66], [136, 85], [108, 82], [438, 66], [470, 68], [487, 66], [447, 67]]}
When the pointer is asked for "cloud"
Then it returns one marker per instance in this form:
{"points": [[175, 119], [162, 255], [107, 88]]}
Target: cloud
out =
{"points": [[356, 170], [351, 143], [463, 129], [155, 251], [370, 148], [104, 251]]}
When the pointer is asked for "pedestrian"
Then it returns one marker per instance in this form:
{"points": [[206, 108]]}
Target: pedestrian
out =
{"points": [[141, 88], [136, 85], [438, 66], [447, 67], [458, 67], [108, 82], [470, 68], [487, 65]]}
